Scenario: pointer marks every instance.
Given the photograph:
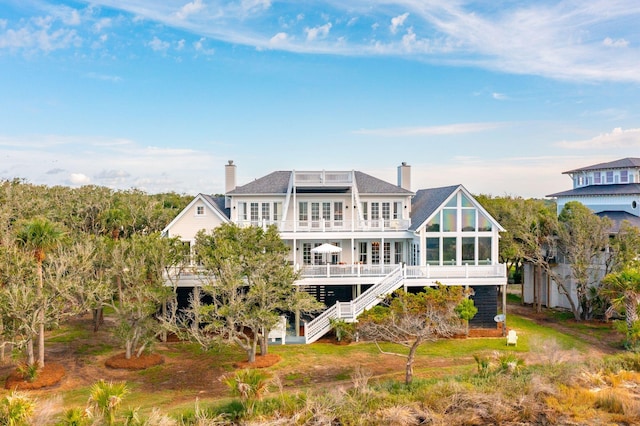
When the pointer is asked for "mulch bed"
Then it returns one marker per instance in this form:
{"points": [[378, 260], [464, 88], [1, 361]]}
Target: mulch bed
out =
{"points": [[262, 361], [134, 363], [50, 375]]}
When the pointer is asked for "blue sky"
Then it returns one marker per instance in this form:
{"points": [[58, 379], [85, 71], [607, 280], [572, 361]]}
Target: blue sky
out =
{"points": [[501, 96]]}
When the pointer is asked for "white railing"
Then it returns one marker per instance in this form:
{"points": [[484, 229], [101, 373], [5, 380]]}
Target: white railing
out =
{"points": [[412, 272], [464, 271], [323, 178], [325, 225], [341, 271], [349, 311]]}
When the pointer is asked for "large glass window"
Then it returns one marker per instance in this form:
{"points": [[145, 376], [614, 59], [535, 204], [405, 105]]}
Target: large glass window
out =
{"points": [[266, 212], [468, 250], [434, 224], [484, 224], [468, 218], [465, 201], [449, 222], [433, 251], [448, 251], [484, 250]]}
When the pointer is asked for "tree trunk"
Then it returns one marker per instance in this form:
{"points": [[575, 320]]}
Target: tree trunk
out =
{"points": [[631, 312], [264, 344], [98, 318], [408, 378], [128, 349], [41, 300], [537, 287], [30, 356]]}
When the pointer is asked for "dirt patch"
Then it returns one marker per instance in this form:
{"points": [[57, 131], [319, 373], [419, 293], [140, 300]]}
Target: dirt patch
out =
{"points": [[261, 362], [135, 362], [48, 376]]}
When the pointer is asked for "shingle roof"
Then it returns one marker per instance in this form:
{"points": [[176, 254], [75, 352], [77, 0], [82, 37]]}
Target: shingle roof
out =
{"points": [[368, 184], [618, 217], [593, 190], [218, 203], [426, 202], [617, 164], [273, 183]]}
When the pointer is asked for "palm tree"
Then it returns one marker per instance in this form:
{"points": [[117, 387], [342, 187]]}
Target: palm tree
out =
{"points": [[106, 397], [623, 289], [39, 235]]}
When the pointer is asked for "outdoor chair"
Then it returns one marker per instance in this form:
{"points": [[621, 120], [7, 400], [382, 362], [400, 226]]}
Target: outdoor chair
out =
{"points": [[512, 338]]}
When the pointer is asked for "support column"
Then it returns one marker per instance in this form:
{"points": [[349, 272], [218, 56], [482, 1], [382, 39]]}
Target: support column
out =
{"points": [[504, 309]]}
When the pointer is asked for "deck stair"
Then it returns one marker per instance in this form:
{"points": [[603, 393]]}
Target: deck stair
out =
{"points": [[349, 311]]}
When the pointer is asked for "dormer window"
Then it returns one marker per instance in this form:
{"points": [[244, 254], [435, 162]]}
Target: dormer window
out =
{"points": [[610, 176], [596, 178], [200, 211], [624, 176]]}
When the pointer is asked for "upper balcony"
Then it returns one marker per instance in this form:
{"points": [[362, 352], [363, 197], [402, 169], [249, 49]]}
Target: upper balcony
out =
{"points": [[323, 178], [376, 225]]}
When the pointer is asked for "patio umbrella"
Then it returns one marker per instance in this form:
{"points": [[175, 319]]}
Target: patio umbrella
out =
{"points": [[326, 248]]}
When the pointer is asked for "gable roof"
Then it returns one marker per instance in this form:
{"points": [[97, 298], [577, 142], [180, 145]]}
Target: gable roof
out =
{"points": [[629, 162], [426, 202], [278, 183], [216, 204], [594, 190]]}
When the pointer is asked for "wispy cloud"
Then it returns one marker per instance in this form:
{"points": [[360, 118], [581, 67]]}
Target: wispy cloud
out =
{"points": [[397, 22], [189, 9], [617, 138], [318, 32], [451, 129], [560, 39]]}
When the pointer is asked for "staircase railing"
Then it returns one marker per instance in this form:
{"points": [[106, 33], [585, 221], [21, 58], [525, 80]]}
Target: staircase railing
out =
{"points": [[349, 311]]}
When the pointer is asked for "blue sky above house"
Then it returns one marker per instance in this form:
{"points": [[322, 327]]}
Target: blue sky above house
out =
{"points": [[499, 96]]}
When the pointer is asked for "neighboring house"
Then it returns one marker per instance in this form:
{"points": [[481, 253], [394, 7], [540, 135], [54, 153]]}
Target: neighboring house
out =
{"points": [[389, 236], [610, 190]]}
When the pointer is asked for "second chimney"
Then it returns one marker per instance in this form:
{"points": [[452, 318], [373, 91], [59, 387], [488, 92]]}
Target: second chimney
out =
{"points": [[404, 176], [229, 177]]}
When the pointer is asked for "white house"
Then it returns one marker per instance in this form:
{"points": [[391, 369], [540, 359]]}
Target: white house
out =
{"points": [[610, 190], [389, 236]]}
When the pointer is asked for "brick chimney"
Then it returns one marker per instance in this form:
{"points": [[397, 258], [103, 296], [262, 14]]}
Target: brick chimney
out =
{"points": [[404, 176]]}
